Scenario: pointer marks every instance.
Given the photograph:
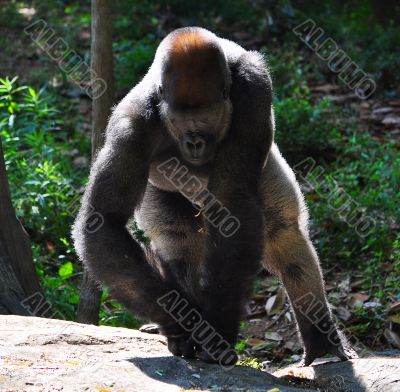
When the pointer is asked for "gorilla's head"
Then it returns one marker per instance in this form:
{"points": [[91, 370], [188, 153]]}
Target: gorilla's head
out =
{"points": [[194, 93]]}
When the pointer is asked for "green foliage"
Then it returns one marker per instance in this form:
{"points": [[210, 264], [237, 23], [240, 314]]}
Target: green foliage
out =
{"points": [[287, 69], [240, 346], [9, 15], [304, 128], [373, 46], [66, 270], [43, 184], [133, 60], [250, 362], [369, 174], [45, 189]]}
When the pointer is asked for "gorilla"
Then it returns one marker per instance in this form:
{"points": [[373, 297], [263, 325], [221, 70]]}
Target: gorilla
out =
{"points": [[189, 155]]}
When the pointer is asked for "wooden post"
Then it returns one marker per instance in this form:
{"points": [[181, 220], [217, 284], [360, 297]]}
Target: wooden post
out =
{"points": [[18, 279], [102, 67]]}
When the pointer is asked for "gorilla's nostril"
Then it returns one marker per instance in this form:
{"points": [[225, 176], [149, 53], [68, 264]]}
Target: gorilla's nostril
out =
{"points": [[197, 145], [194, 145]]}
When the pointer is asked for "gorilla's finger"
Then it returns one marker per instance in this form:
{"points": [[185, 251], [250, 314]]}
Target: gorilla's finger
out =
{"points": [[174, 346]]}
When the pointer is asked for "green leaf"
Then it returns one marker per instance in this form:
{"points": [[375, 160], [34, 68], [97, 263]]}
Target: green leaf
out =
{"points": [[240, 346], [74, 299], [66, 270]]}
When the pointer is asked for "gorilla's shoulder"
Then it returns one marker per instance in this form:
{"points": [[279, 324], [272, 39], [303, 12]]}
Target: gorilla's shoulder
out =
{"points": [[135, 117], [251, 67]]}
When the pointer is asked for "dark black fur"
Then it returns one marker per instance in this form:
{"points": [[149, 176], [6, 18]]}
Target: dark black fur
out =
{"points": [[186, 253]]}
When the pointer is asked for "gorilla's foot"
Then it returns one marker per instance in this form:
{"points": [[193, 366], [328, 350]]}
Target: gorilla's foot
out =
{"points": [[343, 351]]}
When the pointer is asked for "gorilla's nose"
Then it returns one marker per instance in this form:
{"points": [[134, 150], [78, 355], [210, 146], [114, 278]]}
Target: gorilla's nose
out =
{"points": [[195, 146]]}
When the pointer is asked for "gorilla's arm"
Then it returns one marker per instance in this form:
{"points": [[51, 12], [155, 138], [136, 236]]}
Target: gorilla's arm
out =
{"points": [[231, 262], [116, 185]]}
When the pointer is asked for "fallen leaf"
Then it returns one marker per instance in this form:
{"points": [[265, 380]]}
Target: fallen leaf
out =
{"points": [[394, 307], [290, 345], [360, 297], [395, 318], [23, 363], [288, 317], [275, 303], [392, 337], [254, 342], [50, 247], [273, 336], [261, 346], [258, 297], [391, 120], [357, 283], [371, 304], [382, 110], [101, 389], [344, 285], [343, 313]]}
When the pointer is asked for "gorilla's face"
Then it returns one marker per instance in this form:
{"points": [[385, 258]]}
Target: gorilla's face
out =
{"points": [[198, 130], [194, 97]]}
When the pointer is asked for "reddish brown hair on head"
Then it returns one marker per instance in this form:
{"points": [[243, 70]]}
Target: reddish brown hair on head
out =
{"points": [[189, 41], [195, 67]]}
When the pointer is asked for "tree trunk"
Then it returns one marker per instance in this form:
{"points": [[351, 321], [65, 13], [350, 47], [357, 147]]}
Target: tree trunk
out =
{"points": [[102, 67], [18, 280]]}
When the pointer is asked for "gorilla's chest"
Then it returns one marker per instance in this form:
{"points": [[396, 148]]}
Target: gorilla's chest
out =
{"points": [[174, 175]]}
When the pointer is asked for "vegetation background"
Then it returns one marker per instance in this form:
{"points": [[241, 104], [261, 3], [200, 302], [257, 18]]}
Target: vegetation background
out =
{"points": [[45, 128]]}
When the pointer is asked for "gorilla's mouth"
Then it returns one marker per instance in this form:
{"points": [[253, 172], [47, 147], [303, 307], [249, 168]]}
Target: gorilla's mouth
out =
{"points": [[196, 161], [199, 161]]}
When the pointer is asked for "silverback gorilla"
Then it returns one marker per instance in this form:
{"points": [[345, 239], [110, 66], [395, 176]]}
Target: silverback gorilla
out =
{"points": [[189, 154]]}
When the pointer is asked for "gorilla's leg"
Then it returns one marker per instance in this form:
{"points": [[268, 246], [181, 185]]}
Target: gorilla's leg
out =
{"points": [[133, 282], [174, 229], [290, 255], [132, 275]]}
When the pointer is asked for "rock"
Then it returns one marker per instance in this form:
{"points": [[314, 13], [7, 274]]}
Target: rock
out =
{"points": [[40, 354], [380, 372]]}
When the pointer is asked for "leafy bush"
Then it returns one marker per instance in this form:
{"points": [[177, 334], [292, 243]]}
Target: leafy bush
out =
{"points": [[304, 128], [46, 189], [357, 31], [369, 173], [43, 182], [133, 60]]}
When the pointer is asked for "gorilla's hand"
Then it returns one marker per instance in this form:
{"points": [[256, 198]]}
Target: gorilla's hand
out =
{"points": [[179, 342], [182, 345]]}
